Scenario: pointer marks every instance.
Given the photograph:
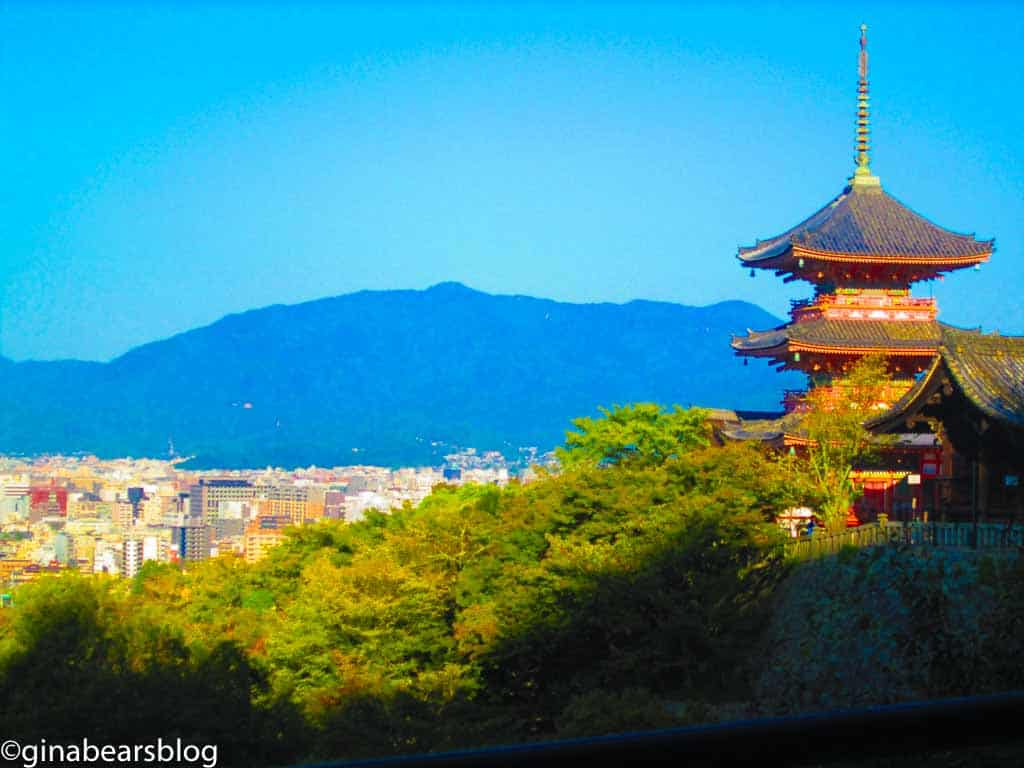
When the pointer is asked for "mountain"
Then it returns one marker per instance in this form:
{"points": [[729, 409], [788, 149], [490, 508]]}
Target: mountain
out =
{"points": [[384, 377]]}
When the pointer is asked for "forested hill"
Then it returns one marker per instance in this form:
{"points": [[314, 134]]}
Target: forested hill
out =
{"points": [[385, 377]]}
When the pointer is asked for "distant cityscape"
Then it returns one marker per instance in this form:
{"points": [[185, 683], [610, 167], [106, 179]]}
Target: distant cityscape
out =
{"points": [[112, 516]]}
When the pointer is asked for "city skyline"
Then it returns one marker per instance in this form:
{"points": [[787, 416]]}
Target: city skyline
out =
{"points": [[177, 164]]}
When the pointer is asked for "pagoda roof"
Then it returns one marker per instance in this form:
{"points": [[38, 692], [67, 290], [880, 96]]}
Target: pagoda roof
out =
{"points": [[772, 430], [987, 368], [865, 223], [842, 335]]}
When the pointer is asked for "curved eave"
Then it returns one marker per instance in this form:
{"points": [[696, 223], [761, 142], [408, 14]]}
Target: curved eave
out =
{"points": [[755, 341], [765, 259], [760, 341], [772, 248], [847, 349], [787, 346], [741, 434], [893, 258], [911, 402], [784, 258]]}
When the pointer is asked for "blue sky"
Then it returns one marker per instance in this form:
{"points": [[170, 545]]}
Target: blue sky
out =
{"points": [[169, 163]]}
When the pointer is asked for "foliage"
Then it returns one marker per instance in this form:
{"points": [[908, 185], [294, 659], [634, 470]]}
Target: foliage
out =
{"points": [[630, 591], [835, 427], [644, 577], [631, 595], [78, 663], [638, 434]]}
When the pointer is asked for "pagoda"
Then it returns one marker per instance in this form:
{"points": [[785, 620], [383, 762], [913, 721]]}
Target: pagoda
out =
{"points": [[862, 252]]}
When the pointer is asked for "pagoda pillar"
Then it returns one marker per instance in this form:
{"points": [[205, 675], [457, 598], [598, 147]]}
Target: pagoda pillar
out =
{"points": [[984, 477]]}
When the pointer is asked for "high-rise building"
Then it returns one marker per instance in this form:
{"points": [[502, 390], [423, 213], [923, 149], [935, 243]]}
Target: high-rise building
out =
{"points": [[63, 548], [133, 557], [263, 533], [135, 497], [206, 497], [334, 505], [191, 539], [152, 549], [122, 513], [288, 500]]}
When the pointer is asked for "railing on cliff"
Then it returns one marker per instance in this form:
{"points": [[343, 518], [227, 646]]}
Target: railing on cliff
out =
{"points": [[916, 731], [997, 536]]}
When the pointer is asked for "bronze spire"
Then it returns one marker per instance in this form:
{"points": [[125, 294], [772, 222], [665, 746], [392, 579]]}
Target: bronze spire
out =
{"points": [[862, 175]]}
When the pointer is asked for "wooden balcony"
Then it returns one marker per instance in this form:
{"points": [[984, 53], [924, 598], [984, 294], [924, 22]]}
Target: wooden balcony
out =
{"points": [[864, 305]]}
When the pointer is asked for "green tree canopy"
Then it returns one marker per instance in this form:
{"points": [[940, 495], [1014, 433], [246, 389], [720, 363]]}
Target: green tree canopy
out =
{"points": [[835, 424], [639, 581], [639, 434]]}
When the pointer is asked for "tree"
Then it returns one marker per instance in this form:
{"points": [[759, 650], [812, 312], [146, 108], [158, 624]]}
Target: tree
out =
{"points": [[835, 425], [637, 435]]}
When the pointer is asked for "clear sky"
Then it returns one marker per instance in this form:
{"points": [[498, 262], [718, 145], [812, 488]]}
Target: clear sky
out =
{"points": [[169, 163]]}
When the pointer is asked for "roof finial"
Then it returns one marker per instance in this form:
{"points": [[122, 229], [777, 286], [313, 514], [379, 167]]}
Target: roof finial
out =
{"points": [[862, 176]]}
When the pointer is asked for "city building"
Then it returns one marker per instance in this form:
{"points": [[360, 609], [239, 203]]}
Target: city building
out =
{"points": [[262, 534], [191, 540], [133, 557], [207, 497], [288, 500], [122, 513], [47, 501], [334, 505]]}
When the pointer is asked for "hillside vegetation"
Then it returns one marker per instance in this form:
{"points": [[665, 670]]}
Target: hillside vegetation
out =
{"points": [[644, 586]]}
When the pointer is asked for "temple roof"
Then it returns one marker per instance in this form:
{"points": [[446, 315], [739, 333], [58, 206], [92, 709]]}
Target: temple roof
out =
{"points": [[845, 334], [987, 368], [767, 430], [865, 221]]}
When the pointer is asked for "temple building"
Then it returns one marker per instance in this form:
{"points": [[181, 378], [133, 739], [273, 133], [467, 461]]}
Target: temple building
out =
{"points": [[972, 395], [862, 253]]}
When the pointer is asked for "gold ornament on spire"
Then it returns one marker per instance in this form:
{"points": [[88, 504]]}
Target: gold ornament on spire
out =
{"points": [[862, 175]]}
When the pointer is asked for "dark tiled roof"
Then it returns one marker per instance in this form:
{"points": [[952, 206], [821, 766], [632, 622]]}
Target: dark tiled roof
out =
{"points": [[860, 334], [763, 433], [767, 430], [760, 339], [868, 221], [912, 395], [989, 370]]}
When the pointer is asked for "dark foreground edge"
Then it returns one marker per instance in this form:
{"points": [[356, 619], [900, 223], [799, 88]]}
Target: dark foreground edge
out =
{"points": [[914, 728]]}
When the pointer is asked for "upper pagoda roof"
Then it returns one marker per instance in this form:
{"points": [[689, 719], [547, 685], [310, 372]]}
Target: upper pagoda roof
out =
{"points": [[865, 236], [987, 368], [864, 224]]}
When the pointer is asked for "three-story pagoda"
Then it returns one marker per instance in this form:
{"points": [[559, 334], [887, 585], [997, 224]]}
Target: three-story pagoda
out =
{"points": [[862, 252]]}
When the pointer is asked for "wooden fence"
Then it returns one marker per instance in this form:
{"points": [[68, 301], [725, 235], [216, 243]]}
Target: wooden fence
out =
{"points": [[950, 535]]}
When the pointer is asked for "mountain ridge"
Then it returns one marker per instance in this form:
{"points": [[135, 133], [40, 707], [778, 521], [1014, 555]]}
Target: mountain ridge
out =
{"points": [[384, 373]]}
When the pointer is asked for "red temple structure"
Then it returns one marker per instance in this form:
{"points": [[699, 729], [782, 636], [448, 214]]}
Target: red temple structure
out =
{"points": [[862, 252], [48, 500]]}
